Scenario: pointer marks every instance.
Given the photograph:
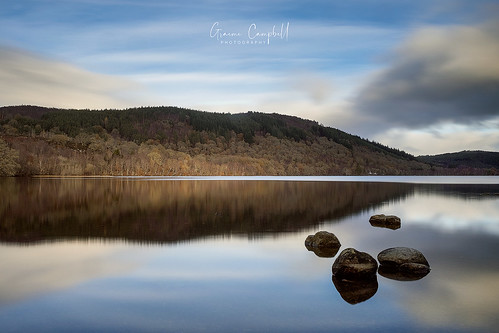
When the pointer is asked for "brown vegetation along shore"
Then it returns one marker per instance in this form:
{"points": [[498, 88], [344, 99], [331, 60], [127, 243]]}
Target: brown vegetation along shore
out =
{"points": [[267, 156]]}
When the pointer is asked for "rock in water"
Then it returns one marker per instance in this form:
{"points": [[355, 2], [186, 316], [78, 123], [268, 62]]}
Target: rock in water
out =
{"points": [[355, 265], [397, 256], [356, 291], [403, 263], [322, 239], [385, 221], [323, 244]]}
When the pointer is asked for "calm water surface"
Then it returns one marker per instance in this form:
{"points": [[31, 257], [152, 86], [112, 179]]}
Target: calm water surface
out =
{"points": [[228, 255]]}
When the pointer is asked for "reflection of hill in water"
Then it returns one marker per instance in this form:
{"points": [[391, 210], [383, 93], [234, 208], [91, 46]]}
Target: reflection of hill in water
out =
{"points": [[33, 210], [467, 191]]}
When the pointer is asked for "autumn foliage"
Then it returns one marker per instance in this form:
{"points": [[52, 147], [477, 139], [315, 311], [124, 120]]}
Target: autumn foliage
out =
{"points": [[173, 141]]}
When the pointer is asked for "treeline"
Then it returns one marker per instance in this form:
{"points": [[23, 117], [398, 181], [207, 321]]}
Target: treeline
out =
{"points": [[102, 154], [176, 141]]}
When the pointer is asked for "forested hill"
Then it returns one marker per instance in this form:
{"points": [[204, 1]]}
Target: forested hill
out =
{"points": [[158, 123], [176, 141], [468, 159]]}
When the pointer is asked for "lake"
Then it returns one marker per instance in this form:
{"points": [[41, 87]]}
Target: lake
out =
{"points": [[227, 254]]}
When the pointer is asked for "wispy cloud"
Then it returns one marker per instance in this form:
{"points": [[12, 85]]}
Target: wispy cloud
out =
{"points": [[29, 79]]}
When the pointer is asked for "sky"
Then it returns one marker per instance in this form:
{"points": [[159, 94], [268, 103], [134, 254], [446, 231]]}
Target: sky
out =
{"points": [[421, 76]]}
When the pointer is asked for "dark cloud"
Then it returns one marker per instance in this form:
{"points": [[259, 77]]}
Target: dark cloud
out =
{"points": [[439, 75]]}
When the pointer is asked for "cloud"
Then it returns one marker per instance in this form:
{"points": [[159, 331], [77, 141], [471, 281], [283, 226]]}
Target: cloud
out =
{"points": [[443, 139], [439, 75], [317, 88], [29, 79]]}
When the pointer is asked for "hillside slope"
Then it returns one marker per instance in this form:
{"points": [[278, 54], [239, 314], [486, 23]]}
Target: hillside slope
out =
{"points": [[176, 141], [463, 160]]}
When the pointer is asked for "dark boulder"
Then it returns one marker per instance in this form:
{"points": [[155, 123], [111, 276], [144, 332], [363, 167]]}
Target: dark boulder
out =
{"points": [[355, 265], [356, 291], [403, 263], [385, 221], [323, 244], [396, 256]]}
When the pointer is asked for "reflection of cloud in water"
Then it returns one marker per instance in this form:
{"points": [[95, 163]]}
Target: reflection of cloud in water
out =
{"points": [[463, 285], [449, 213], [27, 271], [222, 274], [35, 270], [466, 298], [459, 237]]}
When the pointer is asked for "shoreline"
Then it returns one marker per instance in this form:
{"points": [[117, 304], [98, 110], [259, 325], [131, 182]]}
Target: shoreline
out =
{"points": [[388, 179]]}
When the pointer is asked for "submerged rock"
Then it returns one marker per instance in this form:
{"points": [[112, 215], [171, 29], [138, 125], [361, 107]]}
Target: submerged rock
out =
{"points": [[356, 291], [385, 221], [353, 264], [323, 244]]}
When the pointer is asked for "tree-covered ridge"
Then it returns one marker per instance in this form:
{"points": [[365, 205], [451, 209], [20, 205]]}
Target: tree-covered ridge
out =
{"points": [[176, 141], [158, 123]]}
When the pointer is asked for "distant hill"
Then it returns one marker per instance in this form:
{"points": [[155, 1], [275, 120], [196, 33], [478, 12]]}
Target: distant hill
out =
{"points": [[177, 141], [467, 159]]}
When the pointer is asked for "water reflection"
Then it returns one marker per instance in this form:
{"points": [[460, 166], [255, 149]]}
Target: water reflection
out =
{"points": [[467, 191], [101, 275], [356, 291], [462, 289], [33, 210], [324, 252], [29, 271], [396, 274]]}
